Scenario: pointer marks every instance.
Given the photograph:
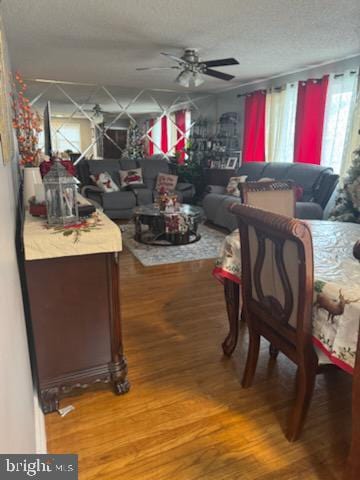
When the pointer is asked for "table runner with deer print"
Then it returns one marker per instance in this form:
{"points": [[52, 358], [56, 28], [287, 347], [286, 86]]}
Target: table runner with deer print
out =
{"points": [[336, 313]]}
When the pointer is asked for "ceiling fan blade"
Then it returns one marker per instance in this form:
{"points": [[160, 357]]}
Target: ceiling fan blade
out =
{"points": [[174, 57], [216, 74], [157, 68], [222, 62]]}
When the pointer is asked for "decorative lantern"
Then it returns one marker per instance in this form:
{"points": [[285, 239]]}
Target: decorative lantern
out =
{"points": [[60, 195]]}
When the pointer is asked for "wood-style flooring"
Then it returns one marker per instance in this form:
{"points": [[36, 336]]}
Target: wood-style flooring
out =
{"points": [[186, 416]]}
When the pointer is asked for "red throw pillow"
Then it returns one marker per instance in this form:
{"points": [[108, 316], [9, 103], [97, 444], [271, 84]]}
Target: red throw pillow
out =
{"points": [[299, 192], [131, 177]]}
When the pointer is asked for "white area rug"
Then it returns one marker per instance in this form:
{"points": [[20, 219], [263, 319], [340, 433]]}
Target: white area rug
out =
{"points": [[207, 247]]}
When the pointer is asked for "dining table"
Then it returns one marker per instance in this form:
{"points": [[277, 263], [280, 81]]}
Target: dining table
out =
{"points": [[336, 312]]}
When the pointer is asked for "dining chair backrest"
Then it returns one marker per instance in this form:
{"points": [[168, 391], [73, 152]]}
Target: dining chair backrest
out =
{"points": [[276, 196], [277, 277]]}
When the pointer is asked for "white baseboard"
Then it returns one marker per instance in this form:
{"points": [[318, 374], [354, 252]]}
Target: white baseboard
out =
{"points": [[40, 432]]}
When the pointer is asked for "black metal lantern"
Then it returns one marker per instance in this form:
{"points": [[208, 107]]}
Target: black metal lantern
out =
{"points": [[60, 195]]}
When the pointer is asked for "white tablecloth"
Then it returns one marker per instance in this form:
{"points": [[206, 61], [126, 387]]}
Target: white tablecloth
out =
{"points": [[336, 272]]}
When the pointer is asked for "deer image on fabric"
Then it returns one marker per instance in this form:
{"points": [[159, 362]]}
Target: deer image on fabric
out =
{"points": [[333, 307]]}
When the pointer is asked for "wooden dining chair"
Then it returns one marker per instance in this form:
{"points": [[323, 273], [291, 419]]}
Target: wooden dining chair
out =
{"points": [[277, 296], [276, 196]]}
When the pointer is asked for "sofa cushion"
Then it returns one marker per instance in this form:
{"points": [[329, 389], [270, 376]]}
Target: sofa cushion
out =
{"points": [[118, 200], [276, 170], [307, 176], [224, 218], [326, 187], [144, 196], [151, 168], [105, 182], [166, 182], [107, 165], [308, 210], [233, 185], [212, 203], [131, 178], [252, 169], [127, 164]]}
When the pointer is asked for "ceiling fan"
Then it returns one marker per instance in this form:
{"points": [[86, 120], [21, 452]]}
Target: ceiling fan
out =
{"points": [[193, 69]]}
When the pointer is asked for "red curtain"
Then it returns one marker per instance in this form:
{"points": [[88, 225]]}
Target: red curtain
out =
{"points": [[310, 120], [164, 134], [254, 128], [180, 123], [151, 144]]}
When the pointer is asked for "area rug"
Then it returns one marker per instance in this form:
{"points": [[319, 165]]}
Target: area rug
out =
{"points": [[149, 255]]}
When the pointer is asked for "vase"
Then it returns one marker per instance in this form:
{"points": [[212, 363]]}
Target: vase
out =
{"points": [[31, 178]]}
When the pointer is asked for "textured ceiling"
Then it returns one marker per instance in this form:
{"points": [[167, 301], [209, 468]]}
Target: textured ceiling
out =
{"points": [[103, 41]]}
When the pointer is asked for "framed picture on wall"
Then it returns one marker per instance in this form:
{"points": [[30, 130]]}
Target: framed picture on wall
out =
{"points": [[231, 163]]}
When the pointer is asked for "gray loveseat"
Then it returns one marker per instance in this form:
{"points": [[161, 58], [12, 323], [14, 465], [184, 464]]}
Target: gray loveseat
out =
{"points": [[318, 184], [120, 204]]}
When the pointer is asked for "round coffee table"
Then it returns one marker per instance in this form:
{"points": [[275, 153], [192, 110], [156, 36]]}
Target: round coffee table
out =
{"points": [[156, 227]]}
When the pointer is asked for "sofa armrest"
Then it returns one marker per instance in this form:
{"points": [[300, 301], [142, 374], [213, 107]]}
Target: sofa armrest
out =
{"points": [[215, 189], [92, 192], [90, 188], [325, 189], [183, 186], [309, 211]]}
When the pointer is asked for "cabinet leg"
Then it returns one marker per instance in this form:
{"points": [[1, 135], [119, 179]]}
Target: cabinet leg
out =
{"points": [[119, 377], [49, 400]]}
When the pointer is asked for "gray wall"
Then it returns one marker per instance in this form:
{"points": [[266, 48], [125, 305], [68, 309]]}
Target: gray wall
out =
{"points": [[20, 418], [229, 102]]}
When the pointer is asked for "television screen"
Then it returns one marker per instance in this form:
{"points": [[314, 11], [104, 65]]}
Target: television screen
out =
{"points": [[47, 130]]}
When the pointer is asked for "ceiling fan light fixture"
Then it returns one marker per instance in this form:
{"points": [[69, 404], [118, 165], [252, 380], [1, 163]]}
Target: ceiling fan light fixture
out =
{"points": [[198, 79], [184, 78]]}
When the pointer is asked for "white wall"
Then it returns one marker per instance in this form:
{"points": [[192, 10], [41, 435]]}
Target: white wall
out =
{"points": [[20, 418]]}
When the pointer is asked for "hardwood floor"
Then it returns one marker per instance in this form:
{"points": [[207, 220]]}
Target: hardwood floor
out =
{"points": [[186, 416]]}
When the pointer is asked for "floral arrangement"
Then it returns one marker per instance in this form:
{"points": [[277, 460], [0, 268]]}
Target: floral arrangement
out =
{"points": [[46, 165], [176, 223], [26, 124], [167, 201], [75, 231]]}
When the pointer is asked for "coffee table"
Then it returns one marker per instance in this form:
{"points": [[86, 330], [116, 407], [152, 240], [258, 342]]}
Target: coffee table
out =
{"points": [[156, 227]]}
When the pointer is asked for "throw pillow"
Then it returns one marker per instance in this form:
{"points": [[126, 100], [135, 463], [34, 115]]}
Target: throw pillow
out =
{"points": [[166, 182], [233, 185], [105, 182], [131, 178]]}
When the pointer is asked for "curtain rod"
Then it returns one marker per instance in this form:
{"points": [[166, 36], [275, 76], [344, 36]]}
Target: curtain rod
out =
{"points": [[292, 84]]}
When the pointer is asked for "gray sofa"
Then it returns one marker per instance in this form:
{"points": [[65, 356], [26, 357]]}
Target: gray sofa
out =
{"points": [[119, 205], [317, 182]]}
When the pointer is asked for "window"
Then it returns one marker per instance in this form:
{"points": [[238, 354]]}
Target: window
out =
{"points": [[68, 137], [340, 102], [280, 123]]}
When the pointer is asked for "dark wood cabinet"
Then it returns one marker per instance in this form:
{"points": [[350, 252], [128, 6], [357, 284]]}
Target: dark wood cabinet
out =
{"points": [[218, 176], [113, 148], [76, 322]]}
